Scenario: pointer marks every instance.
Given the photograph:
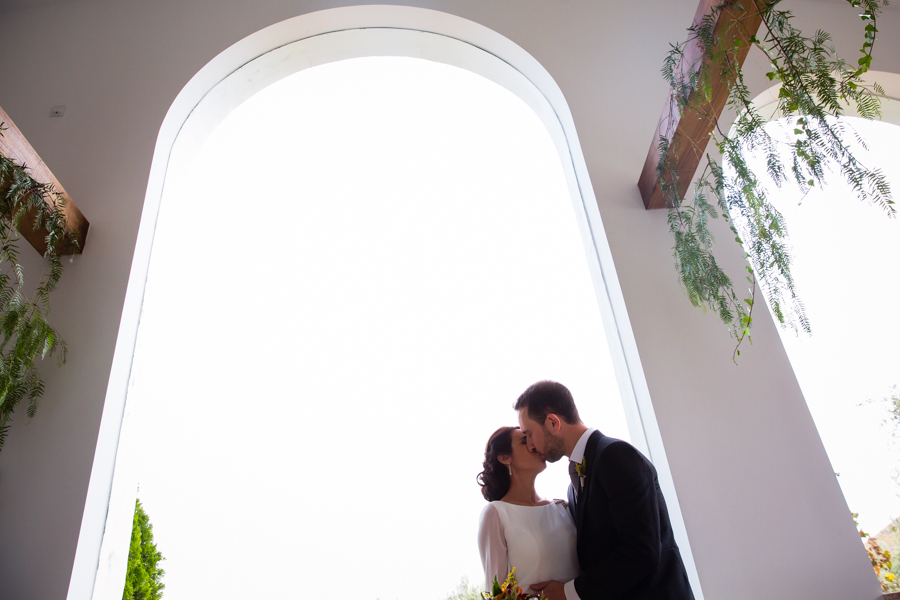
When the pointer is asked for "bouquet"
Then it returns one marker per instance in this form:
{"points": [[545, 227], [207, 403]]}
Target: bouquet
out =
{"points": [[509, 590]]}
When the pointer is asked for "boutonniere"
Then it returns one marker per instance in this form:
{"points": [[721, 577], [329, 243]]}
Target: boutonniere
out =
{"points": [[581, 469]]}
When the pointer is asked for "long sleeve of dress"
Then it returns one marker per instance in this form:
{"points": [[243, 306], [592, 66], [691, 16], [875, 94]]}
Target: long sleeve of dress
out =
{"points": [[492, 546]]}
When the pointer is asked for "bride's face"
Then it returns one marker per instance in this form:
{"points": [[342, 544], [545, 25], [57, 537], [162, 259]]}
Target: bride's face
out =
{"points": [[522, 457]]}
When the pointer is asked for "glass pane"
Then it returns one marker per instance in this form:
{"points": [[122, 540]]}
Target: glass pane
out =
{"points": [[847, 272], [374, 259]]}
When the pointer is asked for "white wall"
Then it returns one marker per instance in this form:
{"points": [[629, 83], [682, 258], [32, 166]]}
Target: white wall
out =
{"points": [[764, 512]]}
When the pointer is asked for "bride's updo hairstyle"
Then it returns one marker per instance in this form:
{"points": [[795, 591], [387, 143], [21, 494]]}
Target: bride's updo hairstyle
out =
{"points": [[495, 479]]}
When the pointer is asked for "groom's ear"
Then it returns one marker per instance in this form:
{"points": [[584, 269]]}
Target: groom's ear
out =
{"points": [[553, 423]]}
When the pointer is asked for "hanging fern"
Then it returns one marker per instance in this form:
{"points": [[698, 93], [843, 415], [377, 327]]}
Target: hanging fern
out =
{"points": [[25, 333], [816, 85]]}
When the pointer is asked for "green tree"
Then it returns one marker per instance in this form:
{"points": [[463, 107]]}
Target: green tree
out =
{"points": [[465, 591], [880, 549], [143, 581], [885, 545], [893, 402]]}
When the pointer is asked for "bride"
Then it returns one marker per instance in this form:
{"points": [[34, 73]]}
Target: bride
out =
{"points": [[518, 528]]}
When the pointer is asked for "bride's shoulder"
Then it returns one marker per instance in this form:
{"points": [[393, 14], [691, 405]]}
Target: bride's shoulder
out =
{"points": [[495, 511], [491, 517], [491, 508], [562, 511]]}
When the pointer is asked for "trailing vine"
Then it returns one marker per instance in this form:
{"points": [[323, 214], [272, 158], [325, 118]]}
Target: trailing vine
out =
{"points": [[25, 333], [815, 86]]}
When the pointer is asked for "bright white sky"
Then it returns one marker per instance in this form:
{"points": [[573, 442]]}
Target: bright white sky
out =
{"points": [[847, 272], [377, 257]]}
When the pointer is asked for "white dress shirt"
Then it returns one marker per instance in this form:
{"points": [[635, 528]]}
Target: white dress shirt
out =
{"points": [[577, 456], [578, 451]]}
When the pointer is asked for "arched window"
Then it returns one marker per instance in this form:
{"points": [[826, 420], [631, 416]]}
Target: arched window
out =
{"points": [[847, 271], [390, 257], [342, 336]]}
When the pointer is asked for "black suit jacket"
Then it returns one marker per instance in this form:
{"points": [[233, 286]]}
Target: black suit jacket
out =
{"points": [[626, 549]]}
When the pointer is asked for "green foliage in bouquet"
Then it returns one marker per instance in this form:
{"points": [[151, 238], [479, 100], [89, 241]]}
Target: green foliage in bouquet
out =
{"points": [[816, 85], [25, 333], [509, 590]]}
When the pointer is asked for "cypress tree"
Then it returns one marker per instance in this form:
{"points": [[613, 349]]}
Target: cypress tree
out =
{"points": [[143, 580]]}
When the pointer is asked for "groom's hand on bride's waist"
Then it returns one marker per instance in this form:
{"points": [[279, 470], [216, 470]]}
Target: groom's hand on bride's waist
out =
{"points": [[552, 590]]}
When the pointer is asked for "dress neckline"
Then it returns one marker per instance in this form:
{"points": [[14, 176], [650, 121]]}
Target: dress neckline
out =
{"points": [[550, 503]]}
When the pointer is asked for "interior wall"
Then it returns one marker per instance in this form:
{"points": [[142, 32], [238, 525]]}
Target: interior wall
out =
{"points": [[763, 509]]}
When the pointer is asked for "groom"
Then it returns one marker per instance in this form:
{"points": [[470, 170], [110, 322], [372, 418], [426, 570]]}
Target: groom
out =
{"points": [[625, 543]]}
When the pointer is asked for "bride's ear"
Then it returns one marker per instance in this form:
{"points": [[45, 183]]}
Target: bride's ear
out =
{"points": [[505, 459]]}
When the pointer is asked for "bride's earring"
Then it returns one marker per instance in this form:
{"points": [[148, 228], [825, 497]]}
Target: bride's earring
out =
{"points": [[509, 467]]}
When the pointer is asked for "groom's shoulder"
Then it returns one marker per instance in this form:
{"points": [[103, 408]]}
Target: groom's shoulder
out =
{"points": [[616, 457], [605, 446], [600, 442]]}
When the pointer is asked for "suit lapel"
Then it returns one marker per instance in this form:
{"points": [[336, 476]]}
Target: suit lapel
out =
{"points": [[589, 454]]}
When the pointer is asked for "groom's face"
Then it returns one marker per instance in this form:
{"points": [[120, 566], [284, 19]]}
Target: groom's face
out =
{"points": [[540, 439]]}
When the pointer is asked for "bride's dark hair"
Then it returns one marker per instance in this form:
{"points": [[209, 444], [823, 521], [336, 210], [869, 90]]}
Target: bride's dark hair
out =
{"points": [[495, 479]]}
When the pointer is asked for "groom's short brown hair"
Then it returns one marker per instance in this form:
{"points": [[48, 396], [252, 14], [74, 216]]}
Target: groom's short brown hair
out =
{"points": [[548, 397]]}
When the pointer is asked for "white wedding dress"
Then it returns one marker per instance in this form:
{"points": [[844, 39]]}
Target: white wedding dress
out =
{"points": [[539, 541]]}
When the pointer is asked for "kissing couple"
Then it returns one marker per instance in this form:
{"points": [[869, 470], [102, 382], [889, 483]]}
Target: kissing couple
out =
{"points": [[612, 540]]}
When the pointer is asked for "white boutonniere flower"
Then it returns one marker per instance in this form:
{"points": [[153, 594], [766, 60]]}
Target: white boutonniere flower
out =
{"points": [[581, 469]]}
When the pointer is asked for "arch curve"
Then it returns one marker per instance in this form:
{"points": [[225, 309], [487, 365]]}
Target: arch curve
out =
{"points": [[766, 101]]}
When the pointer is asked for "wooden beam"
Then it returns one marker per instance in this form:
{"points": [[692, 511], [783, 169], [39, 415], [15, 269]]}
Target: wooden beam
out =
{"points": [[688, 134], [14, 145]]}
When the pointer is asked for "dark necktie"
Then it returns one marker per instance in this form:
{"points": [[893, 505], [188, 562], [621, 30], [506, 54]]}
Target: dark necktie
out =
{"points": [[573, 475]]}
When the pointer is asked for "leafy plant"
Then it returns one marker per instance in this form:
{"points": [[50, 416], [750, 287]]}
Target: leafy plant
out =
{"points": [[25, 333], [892, 400], [815, 86], [509, 590], [465, 591], [880, 558], [143, 579]]}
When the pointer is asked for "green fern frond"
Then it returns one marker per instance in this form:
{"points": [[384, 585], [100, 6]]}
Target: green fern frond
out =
{"points": [[25, 334], [816, 84]]}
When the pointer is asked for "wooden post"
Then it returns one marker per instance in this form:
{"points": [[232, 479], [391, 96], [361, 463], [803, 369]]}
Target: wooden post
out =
{"points": [[13, 145], [688, 134]]}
